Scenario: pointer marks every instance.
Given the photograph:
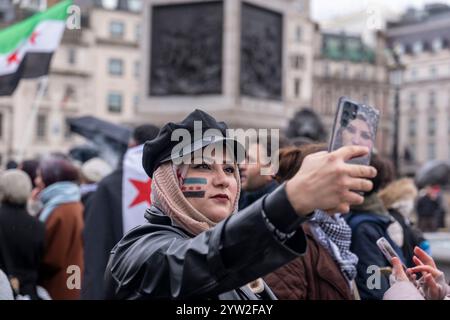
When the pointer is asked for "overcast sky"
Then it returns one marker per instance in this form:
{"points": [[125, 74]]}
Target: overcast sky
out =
{"points": [[326, 9]]}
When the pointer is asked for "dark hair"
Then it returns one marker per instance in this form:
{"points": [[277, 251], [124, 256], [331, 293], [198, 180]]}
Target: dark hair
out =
{"points": [[29, 167], [54, 169], [11, 164], [144, 133], [291, 159], [384, 172]]}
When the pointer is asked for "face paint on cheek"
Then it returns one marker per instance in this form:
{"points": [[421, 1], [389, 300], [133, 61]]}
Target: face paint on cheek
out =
{"points": [[194, 187]]}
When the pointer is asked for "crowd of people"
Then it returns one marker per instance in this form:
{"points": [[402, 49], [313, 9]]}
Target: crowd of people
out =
{"points": [[216, 227]]}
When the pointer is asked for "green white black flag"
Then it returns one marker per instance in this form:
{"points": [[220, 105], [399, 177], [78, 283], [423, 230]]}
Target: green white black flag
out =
{"points": [[26, 48]]}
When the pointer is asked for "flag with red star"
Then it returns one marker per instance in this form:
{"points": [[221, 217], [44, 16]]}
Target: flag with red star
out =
{"points": [[26, 48], [136, 189]]}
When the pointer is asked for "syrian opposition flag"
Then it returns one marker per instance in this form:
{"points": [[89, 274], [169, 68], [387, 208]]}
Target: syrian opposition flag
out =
{"points": [[136, 188], [26, 48]]}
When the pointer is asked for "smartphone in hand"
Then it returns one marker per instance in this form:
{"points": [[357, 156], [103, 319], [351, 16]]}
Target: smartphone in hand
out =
{"points": [[388, 251], [354, 124]]}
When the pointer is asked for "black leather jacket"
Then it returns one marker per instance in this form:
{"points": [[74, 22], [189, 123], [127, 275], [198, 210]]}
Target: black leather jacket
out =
{"points": [[161, 261]]}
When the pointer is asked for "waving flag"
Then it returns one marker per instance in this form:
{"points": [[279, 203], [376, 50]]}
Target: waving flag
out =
{"points": [[136, 189], [26, 48]]}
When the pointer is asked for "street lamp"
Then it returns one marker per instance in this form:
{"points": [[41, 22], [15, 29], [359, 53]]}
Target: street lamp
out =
{"points": [[396, 75]]}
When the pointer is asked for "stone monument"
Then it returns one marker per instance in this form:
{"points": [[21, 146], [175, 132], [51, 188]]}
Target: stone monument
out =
{"points": [[227, 57]]}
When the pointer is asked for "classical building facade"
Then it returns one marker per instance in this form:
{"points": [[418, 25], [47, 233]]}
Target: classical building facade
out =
{"points": [[421, 39], [95, 71]]}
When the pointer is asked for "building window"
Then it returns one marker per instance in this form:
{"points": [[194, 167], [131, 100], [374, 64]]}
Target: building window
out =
{"points": [[418, 47], [69, 94], [448, 124], [138, 32], [327, 102], [413, 151], [137, 69], [117, 29], [297, 62], [431, 151], [42, 86], [433, 72], [364, 73], [135, 5], [399, 49], [115, 67], [449, 149], [72, 56], [297, 86], [298, 34], [114, 102], [41, 127], [326, 70], [432, 99], [67, 132], [136, 101], [1, 126], [345, 71], [412, 127], [412, 100], [414, 74], [437, 44], [431, 126]]}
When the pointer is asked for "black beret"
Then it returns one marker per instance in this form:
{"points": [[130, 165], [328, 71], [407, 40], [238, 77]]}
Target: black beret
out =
{"points": [[159, 150]]}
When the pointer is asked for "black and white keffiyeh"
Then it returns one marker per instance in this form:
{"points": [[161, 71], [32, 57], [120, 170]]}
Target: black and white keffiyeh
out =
{"points": [[334, 234]]}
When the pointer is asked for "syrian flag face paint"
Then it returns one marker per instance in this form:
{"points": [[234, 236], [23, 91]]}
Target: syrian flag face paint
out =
{"points": [[26, 48], [194, 187]]}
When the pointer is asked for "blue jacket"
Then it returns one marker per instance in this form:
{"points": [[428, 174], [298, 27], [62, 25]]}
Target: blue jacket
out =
{"points": [[367, 228]]}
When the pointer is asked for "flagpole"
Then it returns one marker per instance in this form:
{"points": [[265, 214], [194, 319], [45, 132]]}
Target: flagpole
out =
{"points": [[43, 84]]}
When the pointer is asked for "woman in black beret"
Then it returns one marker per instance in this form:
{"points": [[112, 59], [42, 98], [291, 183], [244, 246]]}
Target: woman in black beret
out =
{"points": [[195, 244]]}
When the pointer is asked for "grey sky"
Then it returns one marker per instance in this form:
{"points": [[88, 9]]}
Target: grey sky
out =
{"points": [[326, 9]]}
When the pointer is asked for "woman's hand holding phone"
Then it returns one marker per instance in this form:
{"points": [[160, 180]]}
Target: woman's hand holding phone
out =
{"points": [[354, 124], [433, 284]]}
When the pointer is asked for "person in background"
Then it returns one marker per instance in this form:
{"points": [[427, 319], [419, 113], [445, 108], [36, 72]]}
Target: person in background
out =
{"points": [[92, 172], [30, 167], [328, 268], [11, 164], [21, 235], [62, 214], [369, 222], [104, 224], [256, 183], [430, 209], [6, 292], [399, 198]]}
